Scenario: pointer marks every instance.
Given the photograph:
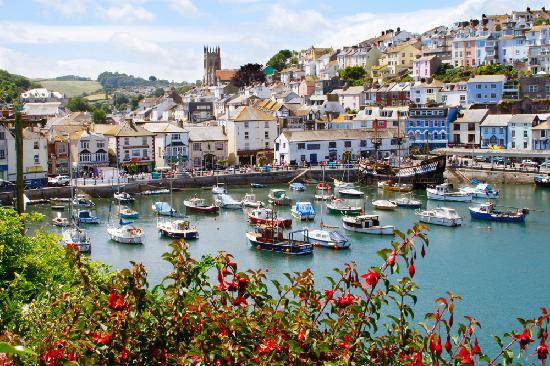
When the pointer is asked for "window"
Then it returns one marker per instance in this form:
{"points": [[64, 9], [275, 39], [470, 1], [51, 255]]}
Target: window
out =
{"points": [[513, 133], [525, 145], [493, 95], [36, 145], [332, 145], [145, 153], [36, 159], [266, 134], [513, 144], [144, 140], [546, 89], [247, 146], [462, 98], [478, 96], [363, 143], [533, 88], [267, 144], [84, 144], [314, 146], [493, 86], [302, 146], [347, 143], [456, 127], [219, 145], [2, 135], [246, 135], [126, 155], [101, 145], [126, 141], [176, 136], [478, 86], [197, 146], [246, 125], [266, 124], [136, 153], [2, 154], [525, 133]]}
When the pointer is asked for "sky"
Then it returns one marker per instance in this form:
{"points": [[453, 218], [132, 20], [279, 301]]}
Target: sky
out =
{"points": [[165, 38]]}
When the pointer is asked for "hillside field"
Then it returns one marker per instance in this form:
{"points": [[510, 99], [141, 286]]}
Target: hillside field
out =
{"points": [[70, 87]]}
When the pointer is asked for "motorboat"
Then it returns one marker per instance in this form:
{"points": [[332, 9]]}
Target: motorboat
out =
{"points": [[323, 196], [408, 202], [384, 205], [340, 206], [542, 181], [367, 224], [297, 187], [487, 211], [266, 216], [127, 234], [154, 192], [60, 221], [178, 229], [279, 197], [257, 185], [340, 184], [86, 217], [303, 211], [197, 204], [381, 184], [218, 188], [442, 192], [444, 216], [77, 237], [82, 201], [351, 192], [164, 209], [270, 238], [322, 186], [127, 213], [329, 239], [482, 190], [249, 200], [123, 197], [397, 187], [227, 202]]}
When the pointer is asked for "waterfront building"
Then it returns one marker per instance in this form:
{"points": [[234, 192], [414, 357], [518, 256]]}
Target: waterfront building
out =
{"points": [[207, 146], [430, 126], [89, 151], [352, 98], [35, 155], [520, 131], [376, 117], [5, 135], [541, 136], [494, 131], [171, 144], [485, 89], [454, 94], [466, 128]]}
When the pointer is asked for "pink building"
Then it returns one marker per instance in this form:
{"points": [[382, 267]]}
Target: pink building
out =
{"points": [[425, 66], [306, 88]]}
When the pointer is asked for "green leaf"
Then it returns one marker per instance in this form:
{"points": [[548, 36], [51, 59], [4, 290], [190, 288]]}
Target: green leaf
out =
{"points": [[15, 350]]}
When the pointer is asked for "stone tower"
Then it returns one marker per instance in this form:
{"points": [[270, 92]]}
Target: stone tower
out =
{"points": [[212, 63]]}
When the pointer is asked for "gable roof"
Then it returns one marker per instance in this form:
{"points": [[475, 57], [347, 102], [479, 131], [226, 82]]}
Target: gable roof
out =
{"points": [[338, 134], [128, 129], [163, 127], [471, 115], [209, 133], [225, 75], [247, 113]]}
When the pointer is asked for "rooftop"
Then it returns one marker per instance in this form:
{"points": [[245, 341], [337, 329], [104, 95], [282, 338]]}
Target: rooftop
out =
{"points": [[337, 134], [487, 79], [246, 113], [210, 133]]}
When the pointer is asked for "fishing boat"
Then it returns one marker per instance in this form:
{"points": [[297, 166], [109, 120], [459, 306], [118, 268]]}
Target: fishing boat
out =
{"points": [[408, 202], [542, 181], [340, 184], [178, 229], [86, 217], [60, 221], [82, 201], [154, 192], [279, 197], [127, 234], [257, 185], [397, 187], [444, 216], [227, 202], [77, 237], [323, 196], [250, 200], [164, 209], [299, 187], [218, 188], [323, 190], [384, 205], [487, 211], [340, 206], [351, 192], [127, 213], [270, 238], [303, 211], [322, 186], [481, 190], [329, 239], [123, 197], [266, 216], [197, 204], [367, 224], [442, 192]]}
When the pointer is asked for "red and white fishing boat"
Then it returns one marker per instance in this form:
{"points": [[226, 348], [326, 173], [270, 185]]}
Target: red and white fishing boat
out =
{"points": [[266, 216], [323, 186], [197, 204]]}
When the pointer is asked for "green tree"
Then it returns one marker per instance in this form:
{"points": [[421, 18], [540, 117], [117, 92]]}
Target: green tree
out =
{"points": [[159, 92], [99, 116], [353, 75], [280, 59], [152, 78], [248, 74], [78, 104]]}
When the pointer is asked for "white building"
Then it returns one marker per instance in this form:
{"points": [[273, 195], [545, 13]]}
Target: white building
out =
{"points": [[35, 155], [352, 98], [520, 133], [5, 136], [466, 129], [171, 143], [89, 150]]}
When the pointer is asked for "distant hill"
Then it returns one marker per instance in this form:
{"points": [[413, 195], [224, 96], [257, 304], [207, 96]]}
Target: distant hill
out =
{"points": [[110, 80], [72, 88], [72, 78]]}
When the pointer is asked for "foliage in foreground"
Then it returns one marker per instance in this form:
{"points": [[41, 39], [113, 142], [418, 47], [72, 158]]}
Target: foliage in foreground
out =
{"points": [[207, 312]]}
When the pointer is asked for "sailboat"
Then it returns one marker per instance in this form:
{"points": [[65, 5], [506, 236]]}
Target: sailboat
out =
{"points": [[177, 229], [323, 190], [328, 238], [126, 233], [60, 221]]}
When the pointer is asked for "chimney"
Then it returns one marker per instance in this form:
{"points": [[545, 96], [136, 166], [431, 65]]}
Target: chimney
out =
{"points": [[398, 29], [543, 9], [383, 33], [528, 9]]}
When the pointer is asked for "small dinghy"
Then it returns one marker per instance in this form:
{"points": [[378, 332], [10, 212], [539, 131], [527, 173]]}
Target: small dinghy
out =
{"points": [[227, 202], [442, 192], [384, 205], [443, 216], [82, 201], [127, 213], [86, 217], [329, 239], [257, 185], [482, 190], [123, 197], [297, 187], [60, 221], [178, 229], [367, 224], [197, 204], [303, 211], [351, 192], [250, 200], [323, 186]]}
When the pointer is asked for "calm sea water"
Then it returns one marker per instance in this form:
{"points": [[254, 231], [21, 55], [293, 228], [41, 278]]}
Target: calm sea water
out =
{"points": [[501, 270]]}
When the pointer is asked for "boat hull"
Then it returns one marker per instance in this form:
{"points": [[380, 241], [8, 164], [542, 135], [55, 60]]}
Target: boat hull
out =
{"points": [[283, 223], [205, 209], [542, 181], [449, 197], [117, 236], [189, 234], [374, 230], [475, 214], [440, 221], [344, 211], [318, 239], [280, 202], [252, 204], [301, 217], [283, 247]]}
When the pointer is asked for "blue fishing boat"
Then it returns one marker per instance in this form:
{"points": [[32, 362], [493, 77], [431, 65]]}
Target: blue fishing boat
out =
{"points": [[270, 238], [487, 211], [303, 211], [542, 181], [297, 187], [86, 217]]}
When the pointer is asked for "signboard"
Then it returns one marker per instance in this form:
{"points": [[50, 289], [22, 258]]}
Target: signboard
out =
{"points": [[35, 169]]}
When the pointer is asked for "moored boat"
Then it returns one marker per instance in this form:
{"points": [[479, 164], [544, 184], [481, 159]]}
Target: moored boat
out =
{"points": [[297, 187], [250, 200], [487, 211], [86, 217], [542, 181], [266, 216], [397, 187], [408, 202], [322, 186], [384, 205], [127, 213], [123, 197], [271, 239], [329, 239], [60, 221], [303, 211], [367, 224], [442, 192], [153, 192], [218, 188], [279, 197], [444, 216], [77, 237], [164, 209], [340, 206], [257, 185], [227, 202], [340, 184], [127, 234], [178, 229], [481, 190], [197, 204], [82, 201], [351, 192]]}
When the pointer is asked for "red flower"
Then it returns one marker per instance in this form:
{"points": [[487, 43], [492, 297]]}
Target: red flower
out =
{"points": [[412, 270], [438, 347], [239, 300], [329, 294], [267, 346], [416, 359], [448, 346], [301, 335], [392, 257], [542, 350], [345, 343], [423, 252], [371, 278], [465, 357], [5, 360], [116, 301], [345, 300], [98, 338], [72, 356], [524, 339], [476, 350]]}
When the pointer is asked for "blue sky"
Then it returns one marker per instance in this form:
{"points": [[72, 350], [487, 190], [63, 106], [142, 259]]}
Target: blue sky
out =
{"points": [[45, 38]]}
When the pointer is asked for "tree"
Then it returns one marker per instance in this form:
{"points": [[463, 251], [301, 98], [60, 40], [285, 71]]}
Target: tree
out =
{"points": [[152, 78], [159, 92], [248, 74], [353, 75], [279, 60], [12, 85], [99, 116], [78, 104]]}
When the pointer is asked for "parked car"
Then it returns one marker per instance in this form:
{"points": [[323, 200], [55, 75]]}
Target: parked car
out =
{"points": [[6, 185], [60, 180], [480, 158], [529, 162]]}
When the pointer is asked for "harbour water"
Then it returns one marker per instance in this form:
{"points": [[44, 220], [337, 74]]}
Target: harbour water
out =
{"points": [[501, 270]]}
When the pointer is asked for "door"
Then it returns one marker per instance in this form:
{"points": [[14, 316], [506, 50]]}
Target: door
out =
{"points": [[313, 158]]}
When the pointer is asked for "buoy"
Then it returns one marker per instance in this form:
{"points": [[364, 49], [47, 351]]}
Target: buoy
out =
{"points": [[336, 247]]}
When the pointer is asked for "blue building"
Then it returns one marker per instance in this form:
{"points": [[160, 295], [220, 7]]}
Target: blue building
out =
{"points": [[485, 89], [430, 126], [494, 131]]}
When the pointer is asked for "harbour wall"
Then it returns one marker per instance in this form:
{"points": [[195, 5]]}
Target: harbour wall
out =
{"points": [[490, 176]]}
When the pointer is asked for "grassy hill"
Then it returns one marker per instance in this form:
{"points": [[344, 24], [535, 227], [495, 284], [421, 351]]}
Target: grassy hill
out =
{"points": [[96, 97], [71, 87]]}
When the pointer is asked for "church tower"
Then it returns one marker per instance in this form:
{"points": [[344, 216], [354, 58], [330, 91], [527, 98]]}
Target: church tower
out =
{"points": [[212, 63]]}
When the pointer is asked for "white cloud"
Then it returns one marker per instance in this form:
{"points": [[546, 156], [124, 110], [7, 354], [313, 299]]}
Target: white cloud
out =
{"points": [[126, 13], [304, 21], [184, 7], [66, 7]]}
